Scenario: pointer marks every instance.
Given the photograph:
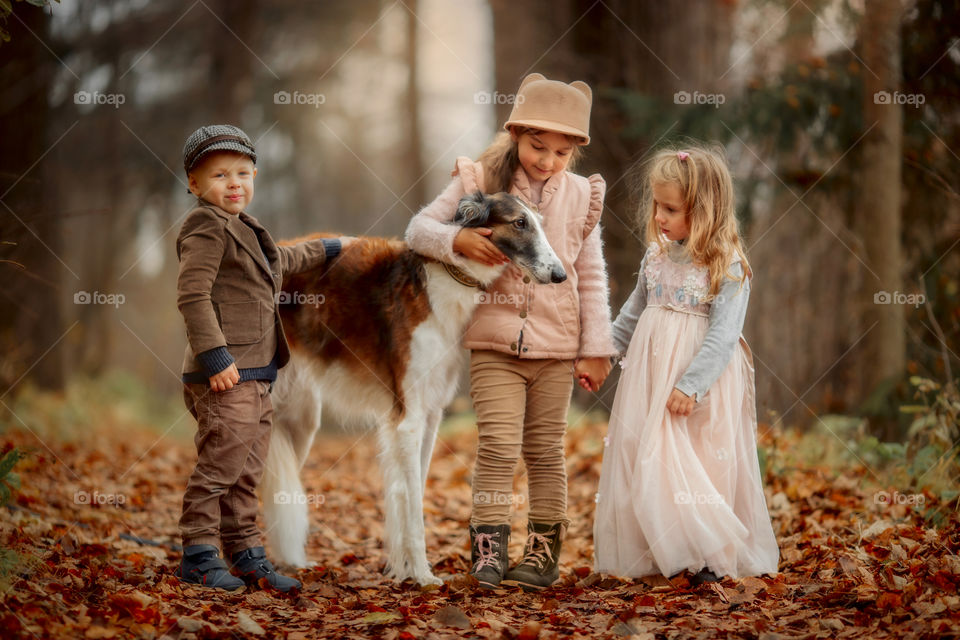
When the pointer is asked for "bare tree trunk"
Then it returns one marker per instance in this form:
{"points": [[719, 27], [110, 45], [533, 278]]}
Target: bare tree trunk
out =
{"points": [[232, 71], [417, 196], [880, 194], [31, 325]]}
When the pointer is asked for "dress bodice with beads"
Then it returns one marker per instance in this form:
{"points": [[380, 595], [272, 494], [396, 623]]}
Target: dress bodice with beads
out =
{"points": [[674, 282]]}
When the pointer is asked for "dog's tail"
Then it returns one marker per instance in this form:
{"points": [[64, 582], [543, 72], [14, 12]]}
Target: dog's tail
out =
{"points": [[285, 504]]}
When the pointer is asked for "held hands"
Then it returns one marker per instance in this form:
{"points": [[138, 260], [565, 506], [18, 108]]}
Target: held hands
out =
{"points": [[679, 403], [591, 372], [472, 242], [226, 379]]}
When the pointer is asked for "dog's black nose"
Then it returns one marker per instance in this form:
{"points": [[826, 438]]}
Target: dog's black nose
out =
{"points": [[558, 275]]}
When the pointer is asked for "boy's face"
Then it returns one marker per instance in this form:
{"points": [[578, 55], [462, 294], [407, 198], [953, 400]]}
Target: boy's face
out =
{"points": [[224, 179]]}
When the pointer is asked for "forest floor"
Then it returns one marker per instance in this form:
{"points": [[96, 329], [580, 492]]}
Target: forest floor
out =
{"points": [[852, 564]]}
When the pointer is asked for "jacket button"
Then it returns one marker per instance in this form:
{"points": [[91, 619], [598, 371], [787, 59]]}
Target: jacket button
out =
{"points": [[526, 279], [523, 314], [513, 346], [524, 349]]}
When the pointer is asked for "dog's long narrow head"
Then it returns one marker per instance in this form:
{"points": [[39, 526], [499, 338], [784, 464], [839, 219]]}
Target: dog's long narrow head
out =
{"points": [[517, 232]]}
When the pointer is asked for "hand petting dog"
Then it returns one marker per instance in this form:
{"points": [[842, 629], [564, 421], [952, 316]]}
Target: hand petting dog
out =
{"points": [[474, 244]]}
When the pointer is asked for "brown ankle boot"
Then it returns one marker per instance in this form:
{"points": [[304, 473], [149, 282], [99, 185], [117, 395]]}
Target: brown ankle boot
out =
{"points": [[540, 566], [488, 553]]}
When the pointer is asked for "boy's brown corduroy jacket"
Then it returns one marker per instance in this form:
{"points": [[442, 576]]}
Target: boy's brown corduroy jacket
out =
{"points": [[227, 286]]}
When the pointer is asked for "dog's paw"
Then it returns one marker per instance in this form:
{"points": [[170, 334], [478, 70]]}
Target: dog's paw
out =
{"points": [[397, 576], [429, 579]]}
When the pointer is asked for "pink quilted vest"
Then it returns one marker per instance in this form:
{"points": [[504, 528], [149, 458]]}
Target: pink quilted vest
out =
{"points": [[521, 317]]}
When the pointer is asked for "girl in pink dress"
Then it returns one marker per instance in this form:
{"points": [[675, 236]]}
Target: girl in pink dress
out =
{"points": [[680, 486]]}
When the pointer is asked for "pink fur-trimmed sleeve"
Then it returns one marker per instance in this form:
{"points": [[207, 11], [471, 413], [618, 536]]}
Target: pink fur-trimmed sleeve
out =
{"points": [[430, 232], [596, 330]]}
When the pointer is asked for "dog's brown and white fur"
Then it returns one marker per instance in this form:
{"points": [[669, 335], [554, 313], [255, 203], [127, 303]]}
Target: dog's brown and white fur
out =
{"points": [[375, 336]]}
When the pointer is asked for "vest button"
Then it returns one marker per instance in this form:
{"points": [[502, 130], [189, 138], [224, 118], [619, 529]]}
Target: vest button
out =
{"points": [[526, 279], [513, 346], [523, 314]]}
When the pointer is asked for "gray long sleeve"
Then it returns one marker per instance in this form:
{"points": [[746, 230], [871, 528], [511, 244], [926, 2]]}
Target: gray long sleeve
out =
{"points": [[727, 313], [626, 321]]}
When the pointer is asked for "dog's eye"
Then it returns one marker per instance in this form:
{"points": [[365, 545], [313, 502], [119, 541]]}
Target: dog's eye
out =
{"points": [[520, 223]]}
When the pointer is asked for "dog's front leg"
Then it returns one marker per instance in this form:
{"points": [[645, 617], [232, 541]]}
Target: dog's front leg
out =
{"points": [[410, 436]]}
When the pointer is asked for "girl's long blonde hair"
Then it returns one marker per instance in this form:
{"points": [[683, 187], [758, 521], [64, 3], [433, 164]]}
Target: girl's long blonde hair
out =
{"points": [[501, 159], [704, 180]]}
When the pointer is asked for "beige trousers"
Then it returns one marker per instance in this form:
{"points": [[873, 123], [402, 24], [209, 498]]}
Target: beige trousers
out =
{"points": [[521, 408], [233, 435]]}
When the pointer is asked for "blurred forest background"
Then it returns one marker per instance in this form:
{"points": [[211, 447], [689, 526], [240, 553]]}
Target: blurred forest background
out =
{"points": [[841, 120]]}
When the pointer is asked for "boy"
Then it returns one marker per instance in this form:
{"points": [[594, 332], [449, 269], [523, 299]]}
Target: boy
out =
{"points": [[230, 274]]}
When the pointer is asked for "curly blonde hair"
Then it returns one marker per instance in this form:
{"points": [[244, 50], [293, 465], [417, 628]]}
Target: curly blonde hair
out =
{"points": [[500, 160], [706, 187]]}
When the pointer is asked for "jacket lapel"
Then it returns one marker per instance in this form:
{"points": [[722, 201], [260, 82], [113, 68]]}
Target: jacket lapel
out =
{"points": [[264, 242], [246, 238]]}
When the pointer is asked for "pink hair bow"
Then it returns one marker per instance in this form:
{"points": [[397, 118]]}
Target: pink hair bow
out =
{"points": [[683, 155]]}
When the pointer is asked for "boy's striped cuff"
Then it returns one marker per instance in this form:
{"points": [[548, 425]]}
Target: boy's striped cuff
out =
{"points": [[331, 248], [215, 360]]}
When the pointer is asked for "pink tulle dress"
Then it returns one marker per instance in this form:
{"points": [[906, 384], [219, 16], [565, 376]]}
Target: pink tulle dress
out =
{"points": [[681, 492]]}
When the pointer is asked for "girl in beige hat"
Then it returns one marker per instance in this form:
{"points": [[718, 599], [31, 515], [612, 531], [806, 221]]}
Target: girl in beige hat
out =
{"points": [[528, 341]]}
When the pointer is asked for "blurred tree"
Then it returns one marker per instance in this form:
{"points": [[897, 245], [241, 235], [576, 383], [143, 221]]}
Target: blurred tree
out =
{"points": [[880, 202], [31, 328], [416, 192]]}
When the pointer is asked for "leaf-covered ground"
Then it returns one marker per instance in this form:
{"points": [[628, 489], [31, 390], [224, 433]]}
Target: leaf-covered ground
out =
{"points": [[88, 548]]}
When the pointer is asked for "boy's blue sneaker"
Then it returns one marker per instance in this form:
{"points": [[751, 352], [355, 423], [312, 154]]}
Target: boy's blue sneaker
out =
{"points": [[252, 564], [202, 564]]}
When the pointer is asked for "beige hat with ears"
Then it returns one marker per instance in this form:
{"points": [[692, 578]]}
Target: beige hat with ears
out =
{"points": [[551, 105]]}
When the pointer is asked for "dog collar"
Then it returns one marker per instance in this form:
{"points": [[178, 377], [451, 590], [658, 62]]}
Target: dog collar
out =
{"points": [[460, 276]]}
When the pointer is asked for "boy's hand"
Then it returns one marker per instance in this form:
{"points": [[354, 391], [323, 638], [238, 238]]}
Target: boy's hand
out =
{"points": [[679, 403], [592, 372], [225, 380], [473, 244]]}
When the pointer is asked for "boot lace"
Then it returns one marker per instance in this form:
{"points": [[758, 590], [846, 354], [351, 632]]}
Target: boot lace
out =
{"points": [[488, 545], [538, 549]]}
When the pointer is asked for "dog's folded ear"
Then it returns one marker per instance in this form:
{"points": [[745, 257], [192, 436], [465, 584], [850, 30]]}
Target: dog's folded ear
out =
{"points": [[473, 210]]}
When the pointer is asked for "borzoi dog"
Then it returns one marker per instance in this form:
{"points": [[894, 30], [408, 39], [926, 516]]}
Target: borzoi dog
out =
{"points": [[375, 336]]}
